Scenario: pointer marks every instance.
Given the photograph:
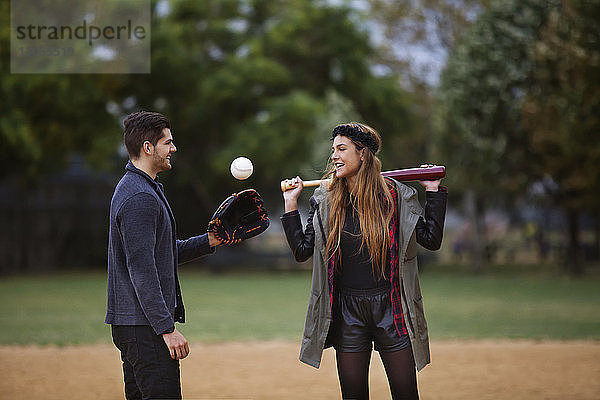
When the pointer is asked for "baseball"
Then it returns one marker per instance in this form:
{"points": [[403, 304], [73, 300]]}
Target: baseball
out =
{"points": [[241, 168]]}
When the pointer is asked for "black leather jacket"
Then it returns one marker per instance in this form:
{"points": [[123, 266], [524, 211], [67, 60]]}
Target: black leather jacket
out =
{"points": [[429, 229]]}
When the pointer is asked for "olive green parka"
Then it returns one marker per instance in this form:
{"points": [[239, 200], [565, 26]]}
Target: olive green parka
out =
{"points": [[318, 316]]}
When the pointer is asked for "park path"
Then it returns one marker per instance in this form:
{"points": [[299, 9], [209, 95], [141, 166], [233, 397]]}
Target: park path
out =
{"points": [[270, 370]]}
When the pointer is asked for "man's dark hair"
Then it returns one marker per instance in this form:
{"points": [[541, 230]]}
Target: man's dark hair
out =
{"points": [[143, 126]]}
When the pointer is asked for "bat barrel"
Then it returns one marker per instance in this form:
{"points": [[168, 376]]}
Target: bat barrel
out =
{"points": [[417, 174]]}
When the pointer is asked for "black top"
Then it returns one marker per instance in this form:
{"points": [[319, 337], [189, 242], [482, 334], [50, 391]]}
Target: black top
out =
{"points": [[356, 270]]}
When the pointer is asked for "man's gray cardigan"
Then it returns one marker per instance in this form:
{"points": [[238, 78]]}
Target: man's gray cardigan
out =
{"points": [[143, 254]]}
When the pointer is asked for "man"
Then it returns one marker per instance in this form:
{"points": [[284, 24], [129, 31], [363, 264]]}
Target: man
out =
{"points": [[144, 297]]}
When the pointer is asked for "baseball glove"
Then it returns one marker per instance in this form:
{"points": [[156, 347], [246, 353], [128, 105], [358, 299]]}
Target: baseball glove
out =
{"points": [[241, 216]]}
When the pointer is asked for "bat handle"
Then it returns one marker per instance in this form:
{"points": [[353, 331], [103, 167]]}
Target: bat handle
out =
{"points": [[285, 185]]}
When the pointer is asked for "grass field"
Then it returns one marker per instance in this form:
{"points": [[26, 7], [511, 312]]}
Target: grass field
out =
{"points": [[69, 308]]}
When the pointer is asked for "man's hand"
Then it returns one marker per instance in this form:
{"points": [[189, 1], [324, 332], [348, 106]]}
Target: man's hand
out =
{"points": [[177, 344], [212, 240]]}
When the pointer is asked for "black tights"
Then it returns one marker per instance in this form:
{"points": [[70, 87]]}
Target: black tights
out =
{"points": [[353, 372]]}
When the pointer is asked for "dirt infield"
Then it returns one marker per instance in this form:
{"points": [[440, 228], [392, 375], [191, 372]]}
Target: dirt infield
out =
{"points": [[270, 370]]}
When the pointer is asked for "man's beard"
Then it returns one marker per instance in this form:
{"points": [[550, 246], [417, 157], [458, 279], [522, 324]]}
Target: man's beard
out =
{"points": [[162, 164]]}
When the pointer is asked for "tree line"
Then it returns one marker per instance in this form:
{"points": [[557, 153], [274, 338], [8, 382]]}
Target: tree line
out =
{"points": [[517, 102]]}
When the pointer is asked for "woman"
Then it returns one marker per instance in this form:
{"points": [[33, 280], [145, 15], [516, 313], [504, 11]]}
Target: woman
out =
{"points": [[365, 287]]}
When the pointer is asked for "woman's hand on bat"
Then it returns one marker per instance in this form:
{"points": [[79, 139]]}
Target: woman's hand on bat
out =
{"points": [[291, 196]]}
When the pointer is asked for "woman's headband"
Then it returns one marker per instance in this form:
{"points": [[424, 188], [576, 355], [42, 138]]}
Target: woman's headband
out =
{"points": [[355, 133]]}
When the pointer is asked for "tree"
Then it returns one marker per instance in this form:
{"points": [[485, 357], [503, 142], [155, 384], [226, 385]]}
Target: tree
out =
{"points": [[261, 78], [414, 39], [252, 78], [432, 26], [479, 132], [519, 104], [47, 117], [562, 112]]}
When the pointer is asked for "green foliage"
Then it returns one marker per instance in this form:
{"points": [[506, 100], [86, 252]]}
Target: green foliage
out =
{"points": [[434, 25], [519, 103], [519, 100], [267, 138], [405, 30], [266, 306], [234, 78], [562, 112], [45, 118], [478, 126], [267, 79], [251, 78]]}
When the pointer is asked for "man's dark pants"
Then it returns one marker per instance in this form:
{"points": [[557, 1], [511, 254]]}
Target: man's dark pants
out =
{"points": [[148, 369]]}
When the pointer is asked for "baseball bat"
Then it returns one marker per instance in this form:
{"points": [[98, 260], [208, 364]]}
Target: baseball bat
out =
{"points": [[405, 175]]}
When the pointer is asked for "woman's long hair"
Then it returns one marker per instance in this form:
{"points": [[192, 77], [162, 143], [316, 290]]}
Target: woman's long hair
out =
{"points": [[372, 201]]}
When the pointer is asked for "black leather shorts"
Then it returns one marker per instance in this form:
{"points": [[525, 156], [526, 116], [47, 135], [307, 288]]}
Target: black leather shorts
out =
{"points": [[364, 317]]}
